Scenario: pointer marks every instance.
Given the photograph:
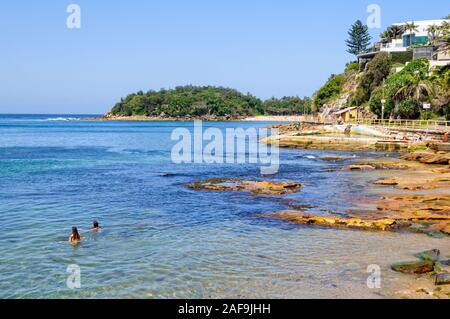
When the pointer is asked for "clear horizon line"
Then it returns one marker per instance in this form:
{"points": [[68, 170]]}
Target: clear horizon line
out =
{"points": [[51, 114]]}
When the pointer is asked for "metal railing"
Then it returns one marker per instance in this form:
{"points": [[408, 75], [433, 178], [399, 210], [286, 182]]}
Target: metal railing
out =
{"points": [[411, 124]]}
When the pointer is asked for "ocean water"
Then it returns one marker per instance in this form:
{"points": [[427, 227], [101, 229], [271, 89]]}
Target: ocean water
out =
{"points": [[163, 240]]}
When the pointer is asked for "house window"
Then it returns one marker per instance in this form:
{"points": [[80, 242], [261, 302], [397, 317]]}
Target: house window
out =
{"points": [[411, 39], [421, 40], [408, 40]]}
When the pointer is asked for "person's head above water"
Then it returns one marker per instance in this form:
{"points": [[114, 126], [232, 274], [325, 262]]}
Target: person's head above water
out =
{"points": [[75, 233], [95, 226]]}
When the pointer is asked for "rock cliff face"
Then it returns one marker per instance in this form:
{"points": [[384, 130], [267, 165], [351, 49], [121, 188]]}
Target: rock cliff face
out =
{"points": [[343, 100], [326, 112]]}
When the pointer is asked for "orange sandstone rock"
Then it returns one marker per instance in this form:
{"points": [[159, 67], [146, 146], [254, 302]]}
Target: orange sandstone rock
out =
{"points": [[255, 187], [354, 223]]}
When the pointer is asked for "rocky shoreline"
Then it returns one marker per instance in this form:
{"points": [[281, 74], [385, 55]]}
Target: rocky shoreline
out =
{"points": [[414, 189], [432, 268], [354, 138]]}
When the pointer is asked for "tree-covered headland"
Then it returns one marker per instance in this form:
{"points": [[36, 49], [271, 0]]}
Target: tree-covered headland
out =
{"points": [[206, 101]]}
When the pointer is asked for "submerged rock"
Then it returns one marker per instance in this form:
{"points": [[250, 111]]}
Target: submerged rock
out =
{"points": [[413, 183], [431, 255], [442, 279], [335, 158], [415, 267], [255, 187], [446, 230], [387, 182], [443, 266], [359, 167], [436, 228]]}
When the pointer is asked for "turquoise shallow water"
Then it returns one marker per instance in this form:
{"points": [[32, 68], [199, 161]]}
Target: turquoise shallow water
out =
{"points": [[162, 240]]}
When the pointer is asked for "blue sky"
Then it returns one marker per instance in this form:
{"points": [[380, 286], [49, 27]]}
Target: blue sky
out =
{"points": [[268, 48]]}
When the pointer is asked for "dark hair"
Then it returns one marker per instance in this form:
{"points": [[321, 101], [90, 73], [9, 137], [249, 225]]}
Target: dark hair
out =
{"points": [[75, 233], [95, 224]]}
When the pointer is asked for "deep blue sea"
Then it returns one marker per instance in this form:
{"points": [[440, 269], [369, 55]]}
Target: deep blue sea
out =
{"points": [[161, 239]]}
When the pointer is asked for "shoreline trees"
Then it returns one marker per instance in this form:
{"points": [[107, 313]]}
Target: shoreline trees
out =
{"points": [[359, 38], [206, 101]]}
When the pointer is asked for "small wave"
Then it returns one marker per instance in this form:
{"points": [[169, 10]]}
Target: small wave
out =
{"points": [[62, 119], [310, 157]]}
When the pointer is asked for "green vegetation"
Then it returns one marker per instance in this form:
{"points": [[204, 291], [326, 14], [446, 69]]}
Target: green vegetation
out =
{"points": [[407, 90], [442, 40], [329, 91], [393, 32], [376, 72], [359, 38], [351, 67], [404, 92], [207, 101], [287, 106], [402, 57], [411, 27]]}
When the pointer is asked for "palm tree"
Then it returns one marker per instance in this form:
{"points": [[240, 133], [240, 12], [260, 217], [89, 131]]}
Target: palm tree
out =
{"points": [[397, 31], [393, 32], [416, 91], [419, 90], [411, 27], [433, 32], [386, 37], [443, 40]]}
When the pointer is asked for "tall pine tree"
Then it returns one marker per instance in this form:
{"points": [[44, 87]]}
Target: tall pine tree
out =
{"points": [[359, 38]]}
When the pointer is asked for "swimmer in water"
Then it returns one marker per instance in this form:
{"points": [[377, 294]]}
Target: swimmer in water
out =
{"points": [[75, 237], [95, 227]]}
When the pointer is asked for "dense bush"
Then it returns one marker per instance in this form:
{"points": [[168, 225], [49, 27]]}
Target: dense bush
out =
{"points": [[408, 109], [288, 106], [402, 57], [351, 67], [192, 101], [359, 97], [377, 70], [415, 70], [375, 103], [411, 80], [330, 90], [446, 112]]}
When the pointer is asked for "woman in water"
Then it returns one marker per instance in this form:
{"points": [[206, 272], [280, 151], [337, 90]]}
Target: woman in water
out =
{"points": [[95, 227], [75, 237]]}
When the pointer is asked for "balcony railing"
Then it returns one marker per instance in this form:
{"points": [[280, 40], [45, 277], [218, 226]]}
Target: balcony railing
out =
{"points": [[409, 124], [392, 45]]}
